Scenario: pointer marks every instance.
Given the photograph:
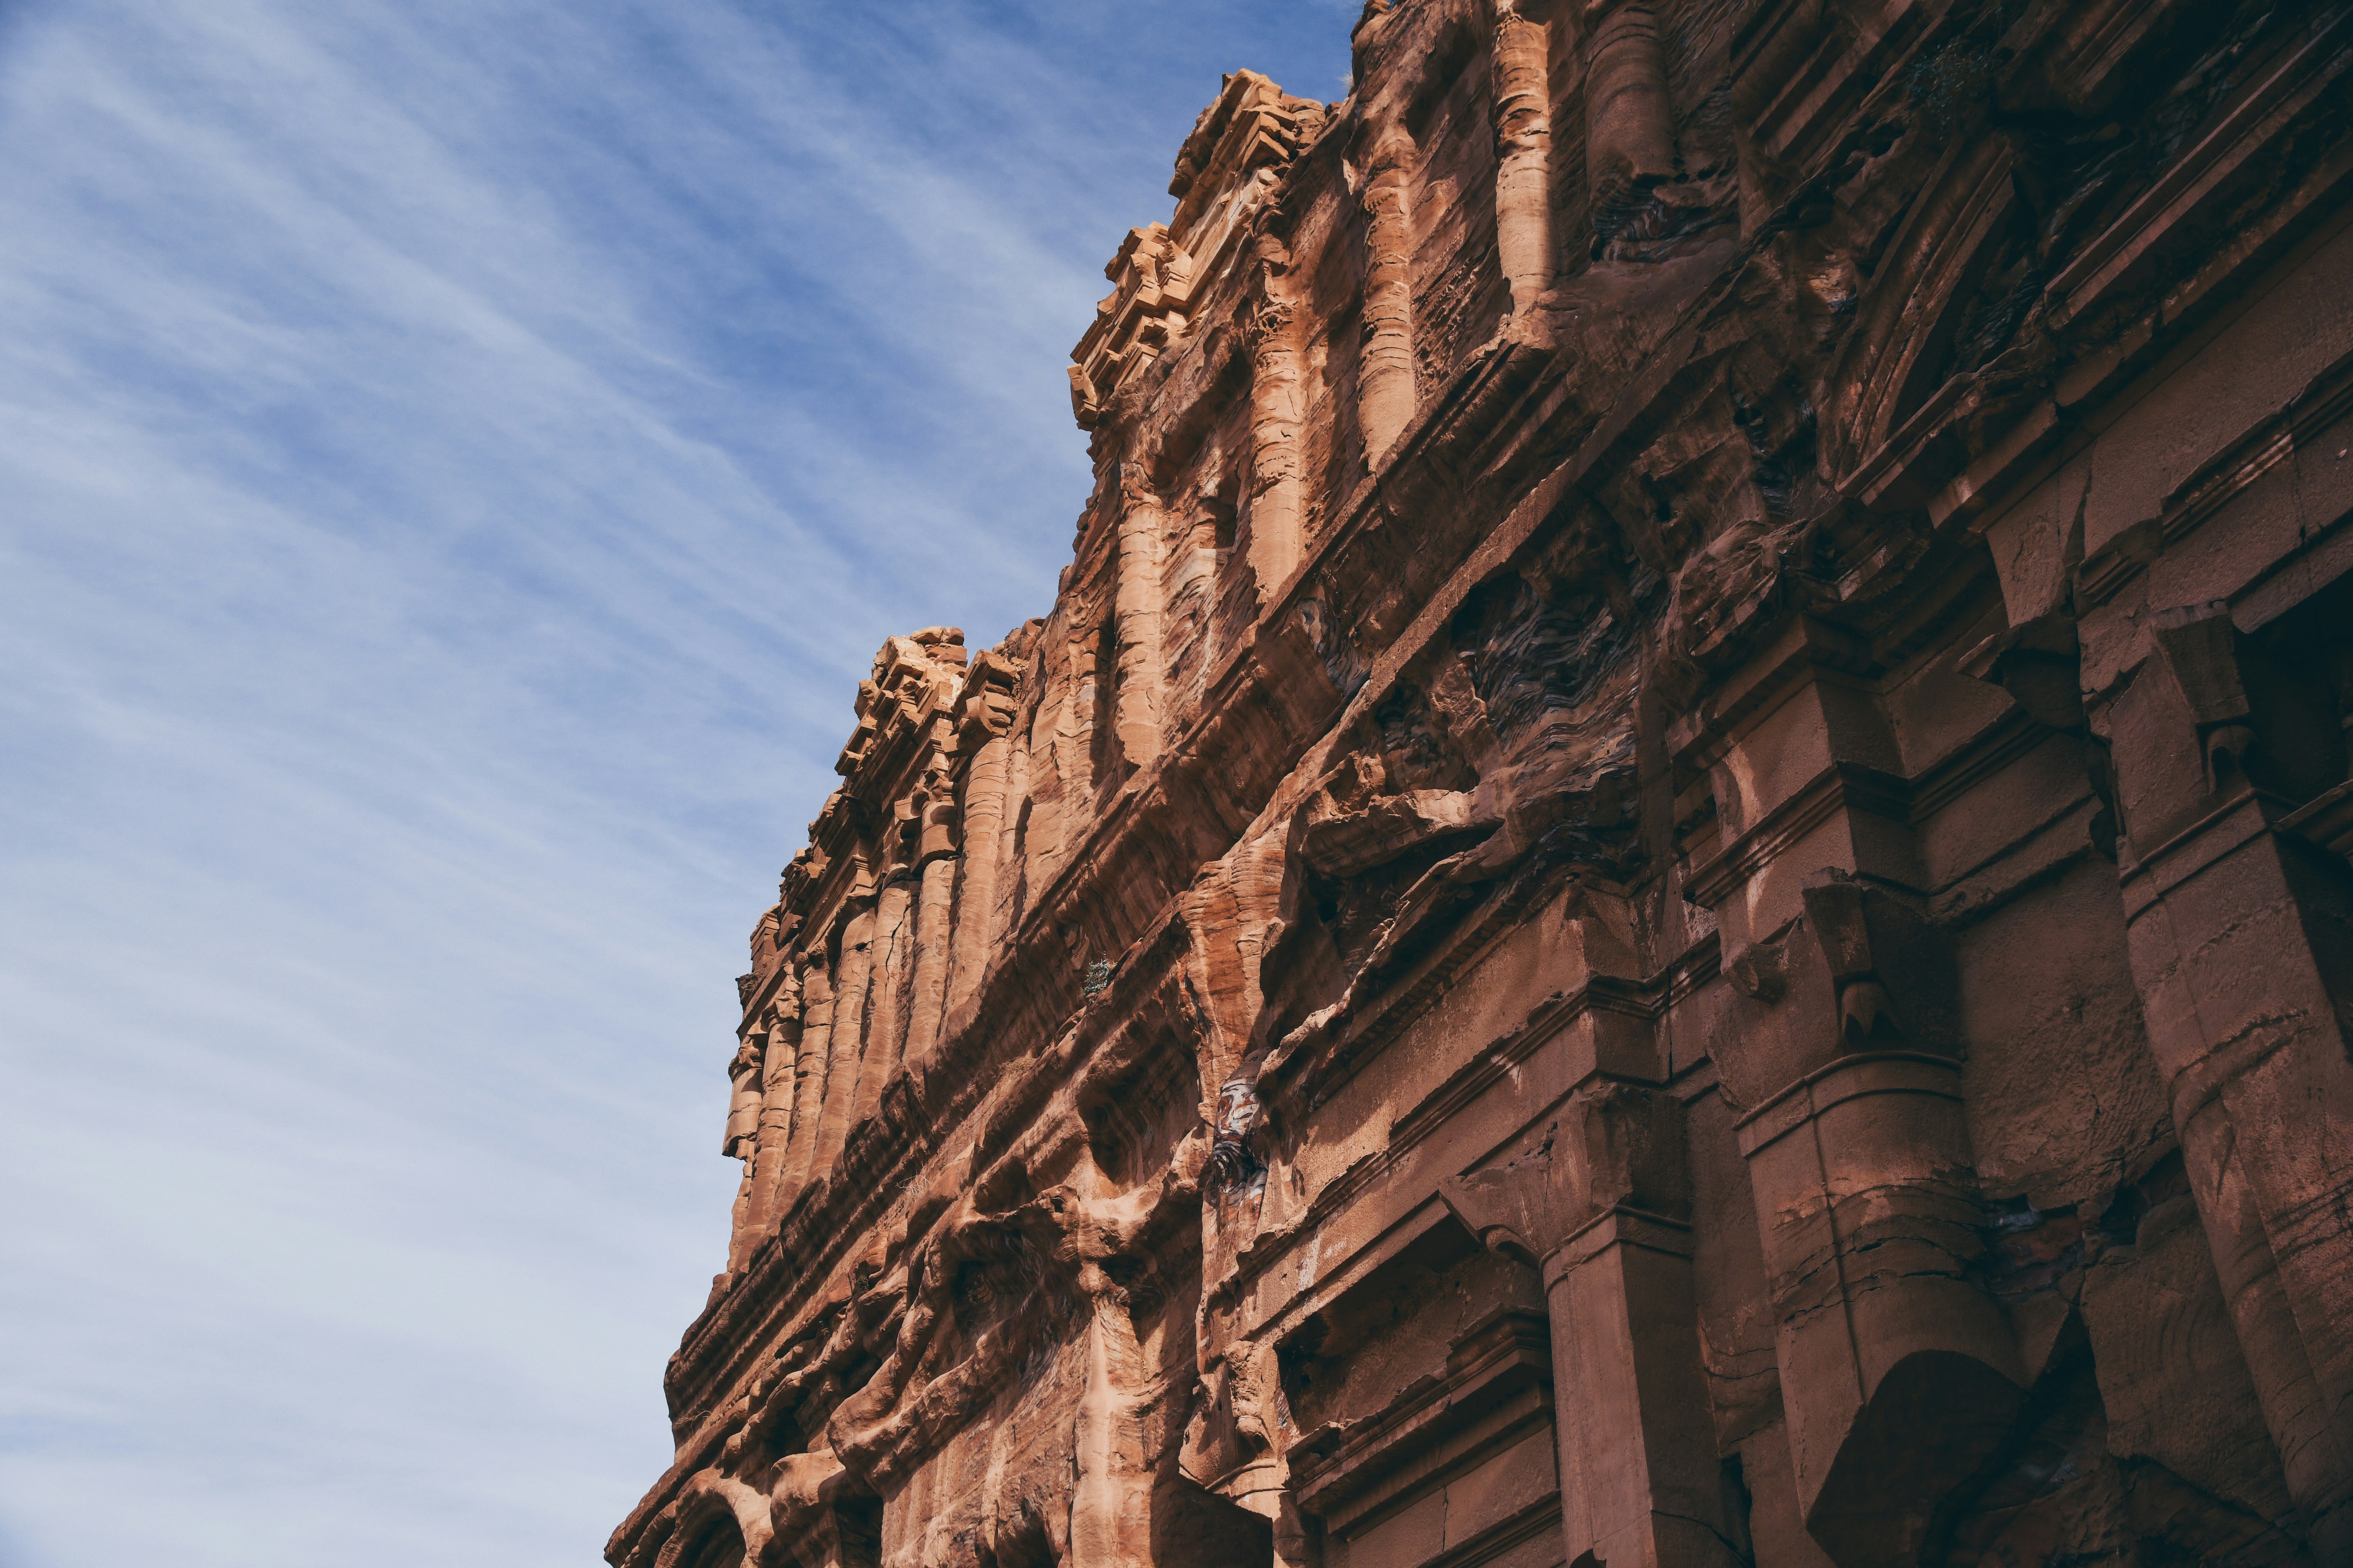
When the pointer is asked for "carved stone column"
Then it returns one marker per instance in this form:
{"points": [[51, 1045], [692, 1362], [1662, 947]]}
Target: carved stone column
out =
{"points": [[1264, 1490], [894, 941], [742, 1143], [1842, 1046], [773, 1111], [1135, 701], [1234, 1447], [1522, 75], [808, 1084], [1385, 389], [1630, 130], [847, 1041], [935, 858], [1863, 1174], [984, 722], [2238, 934], [741, 1139], [1278, 410], [1603, 1204], [1020, 785], [975, 901], [1111, 1516]]}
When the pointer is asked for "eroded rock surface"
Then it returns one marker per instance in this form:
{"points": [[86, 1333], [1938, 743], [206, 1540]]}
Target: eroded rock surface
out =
{"points": [[1669, 886]]}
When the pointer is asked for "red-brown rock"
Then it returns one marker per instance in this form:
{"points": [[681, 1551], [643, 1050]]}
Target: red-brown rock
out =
{"points": [[1670, 887]]}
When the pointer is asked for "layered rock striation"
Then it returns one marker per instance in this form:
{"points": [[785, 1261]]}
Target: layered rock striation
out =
{"points": [[1669, 886]]}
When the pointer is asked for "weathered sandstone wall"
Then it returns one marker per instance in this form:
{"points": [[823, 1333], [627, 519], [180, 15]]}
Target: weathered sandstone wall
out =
{"points": [[1670, 884]]}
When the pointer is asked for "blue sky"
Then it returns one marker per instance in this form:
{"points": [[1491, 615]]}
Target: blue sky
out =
{"points": [[456, 458]]}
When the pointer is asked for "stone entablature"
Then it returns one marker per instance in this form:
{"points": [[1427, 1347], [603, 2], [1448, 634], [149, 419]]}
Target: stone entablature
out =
{"points": [[1668, 885], [1229, 166]]}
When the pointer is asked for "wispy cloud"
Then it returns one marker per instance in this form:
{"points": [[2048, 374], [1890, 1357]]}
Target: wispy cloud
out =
{"points": [[455, 461]]}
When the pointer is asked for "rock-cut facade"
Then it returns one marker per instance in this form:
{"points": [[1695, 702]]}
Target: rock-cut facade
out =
{"points": [[1669, 887]]}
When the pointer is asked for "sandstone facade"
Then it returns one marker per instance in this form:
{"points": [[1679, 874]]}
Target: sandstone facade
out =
{"points": [[1670, 883]]}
